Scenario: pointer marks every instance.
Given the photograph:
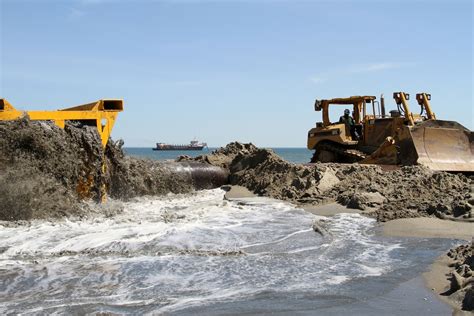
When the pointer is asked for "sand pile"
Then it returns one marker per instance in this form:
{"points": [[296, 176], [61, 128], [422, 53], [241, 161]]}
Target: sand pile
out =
{"points": [[407, 192], [223, 156], [462, 277], [46, 171], [41, 166]]}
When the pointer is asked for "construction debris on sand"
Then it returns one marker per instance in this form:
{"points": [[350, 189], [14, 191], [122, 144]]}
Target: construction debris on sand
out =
{"points": [[410, 191]]}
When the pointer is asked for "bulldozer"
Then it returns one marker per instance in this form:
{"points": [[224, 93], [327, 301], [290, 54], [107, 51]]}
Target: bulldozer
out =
{"points": [[397, 138]]}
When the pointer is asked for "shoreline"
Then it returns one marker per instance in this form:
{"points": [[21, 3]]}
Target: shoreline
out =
{"points": [[435, 279], [429, 227]]}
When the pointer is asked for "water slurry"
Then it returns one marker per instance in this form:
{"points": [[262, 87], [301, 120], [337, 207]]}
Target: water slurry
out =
{"points": [[198, 252]]}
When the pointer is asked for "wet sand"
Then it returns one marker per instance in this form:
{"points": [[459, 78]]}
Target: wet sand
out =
{"points": [[236, 192], [330, 209], [429, 228], [436, 280]]}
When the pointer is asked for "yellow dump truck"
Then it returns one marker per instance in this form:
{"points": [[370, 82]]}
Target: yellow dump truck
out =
{"points": [[397, 138]]}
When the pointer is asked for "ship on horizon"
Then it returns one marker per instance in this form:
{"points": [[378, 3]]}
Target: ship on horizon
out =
{"points": [[193, 145]]}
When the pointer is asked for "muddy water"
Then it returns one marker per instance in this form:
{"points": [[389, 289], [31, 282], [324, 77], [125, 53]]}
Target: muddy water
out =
{"points": [[199, 253]]}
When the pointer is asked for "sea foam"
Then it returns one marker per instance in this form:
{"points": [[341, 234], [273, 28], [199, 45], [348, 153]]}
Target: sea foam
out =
{"points": [[167, 253]]}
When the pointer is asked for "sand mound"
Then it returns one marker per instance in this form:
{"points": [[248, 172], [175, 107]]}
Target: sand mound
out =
{"points": [[407, 192], [41, 166], [223, 156]]}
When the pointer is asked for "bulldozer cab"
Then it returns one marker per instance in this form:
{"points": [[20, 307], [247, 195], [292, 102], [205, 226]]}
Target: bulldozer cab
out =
{"points": [[358, 107], [359, 113]]}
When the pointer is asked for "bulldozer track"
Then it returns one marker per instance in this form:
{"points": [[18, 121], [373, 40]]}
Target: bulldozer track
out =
{"points": [[352, 154]]}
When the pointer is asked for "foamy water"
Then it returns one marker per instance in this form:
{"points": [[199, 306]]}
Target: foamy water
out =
{"points": [[181, 252]]}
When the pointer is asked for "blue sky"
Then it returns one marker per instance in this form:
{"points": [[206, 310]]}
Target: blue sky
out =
{"points": [[233, 70]]}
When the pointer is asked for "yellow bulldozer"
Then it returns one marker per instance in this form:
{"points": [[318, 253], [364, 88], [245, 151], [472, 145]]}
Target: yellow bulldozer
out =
{"points": [[399, 138]]}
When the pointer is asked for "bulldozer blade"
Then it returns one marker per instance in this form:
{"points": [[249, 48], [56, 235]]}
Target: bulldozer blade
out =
{"points": [[443, 145]]}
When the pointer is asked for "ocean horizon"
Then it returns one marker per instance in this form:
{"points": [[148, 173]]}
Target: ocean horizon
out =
{"points": [[290, 154]]}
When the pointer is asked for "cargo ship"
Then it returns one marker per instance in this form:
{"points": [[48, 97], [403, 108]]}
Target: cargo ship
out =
{"points": [[193, 145]]}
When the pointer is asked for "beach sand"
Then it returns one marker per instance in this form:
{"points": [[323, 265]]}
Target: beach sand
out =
{"points": [[429, 228], [330, 209]]}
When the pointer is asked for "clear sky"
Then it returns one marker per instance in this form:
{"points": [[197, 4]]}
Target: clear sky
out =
{"points": [[233, 70]]}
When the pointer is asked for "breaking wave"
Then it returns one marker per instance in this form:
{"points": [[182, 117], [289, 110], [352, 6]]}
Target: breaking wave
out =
{"points": [[165, 254]]}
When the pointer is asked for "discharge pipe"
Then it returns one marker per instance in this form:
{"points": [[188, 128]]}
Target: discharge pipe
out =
{"points": [[203, 176], [382, 105]]}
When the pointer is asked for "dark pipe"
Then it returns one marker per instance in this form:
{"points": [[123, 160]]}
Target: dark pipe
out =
{"points": [[203, 176], [382, 104]]}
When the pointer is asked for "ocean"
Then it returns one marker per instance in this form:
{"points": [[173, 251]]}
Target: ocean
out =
{"points": [[295, 155], [200, 254]]}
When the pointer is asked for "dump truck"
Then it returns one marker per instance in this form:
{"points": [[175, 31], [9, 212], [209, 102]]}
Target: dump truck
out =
{"points": [[399, 137]]}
